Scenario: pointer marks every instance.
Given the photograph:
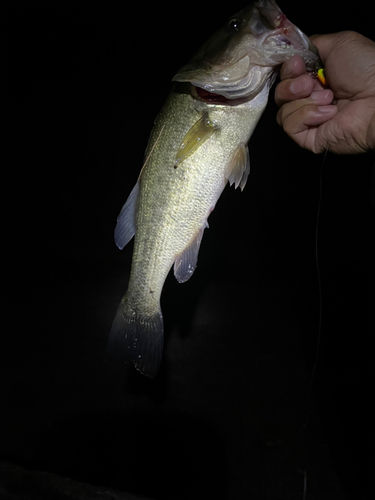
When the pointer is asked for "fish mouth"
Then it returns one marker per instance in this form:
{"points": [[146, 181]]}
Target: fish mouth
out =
{"points": [[201, 94], [206, 96], [238, 69], [286, 35]]}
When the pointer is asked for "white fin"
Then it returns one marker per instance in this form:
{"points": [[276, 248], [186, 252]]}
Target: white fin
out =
{"points": [[186, 262], [125, 227], [238, 168]]}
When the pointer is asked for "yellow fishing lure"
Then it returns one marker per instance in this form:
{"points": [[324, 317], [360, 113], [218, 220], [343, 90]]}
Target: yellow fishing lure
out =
{"points": [[321, 76]]}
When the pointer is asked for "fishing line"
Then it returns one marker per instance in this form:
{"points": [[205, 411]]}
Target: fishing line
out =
{"points": [[313, 371], [304, 485], [318, 269], [152, 149], [315, 364]]}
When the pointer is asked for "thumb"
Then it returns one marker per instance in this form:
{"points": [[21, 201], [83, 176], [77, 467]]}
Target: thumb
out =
{"points": [[326, 43]]}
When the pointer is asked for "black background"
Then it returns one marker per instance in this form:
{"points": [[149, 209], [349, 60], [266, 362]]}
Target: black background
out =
{"points": [[82, 83]]}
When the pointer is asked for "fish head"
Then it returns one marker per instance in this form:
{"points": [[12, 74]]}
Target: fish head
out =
{"points": [[245, 54]]}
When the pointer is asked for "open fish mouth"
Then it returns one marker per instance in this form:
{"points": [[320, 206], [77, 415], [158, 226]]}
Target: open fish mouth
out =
{"points": [[285, 35], [214, 98], [237, 64]]}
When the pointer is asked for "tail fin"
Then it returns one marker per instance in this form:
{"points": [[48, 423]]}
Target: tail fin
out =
{"points": [[138, 338]]}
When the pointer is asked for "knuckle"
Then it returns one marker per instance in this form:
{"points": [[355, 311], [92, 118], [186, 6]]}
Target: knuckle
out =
{"points": [[288, 127], [282, 93]]}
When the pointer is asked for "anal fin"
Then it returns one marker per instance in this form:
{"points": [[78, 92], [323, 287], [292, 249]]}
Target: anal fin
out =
{"points": [[186, 262]]}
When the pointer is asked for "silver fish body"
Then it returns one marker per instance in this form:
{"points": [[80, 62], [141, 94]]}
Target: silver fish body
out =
{"points": [[198, 144]]}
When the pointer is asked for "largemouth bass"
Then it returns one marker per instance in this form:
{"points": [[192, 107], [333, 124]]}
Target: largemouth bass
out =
{"points": [[197, 145]]}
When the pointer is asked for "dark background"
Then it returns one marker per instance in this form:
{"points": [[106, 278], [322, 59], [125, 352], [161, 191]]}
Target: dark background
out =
{"points": [[232, 413]]}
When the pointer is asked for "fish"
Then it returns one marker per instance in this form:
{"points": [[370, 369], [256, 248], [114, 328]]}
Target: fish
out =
{"points": [[198, 144]]}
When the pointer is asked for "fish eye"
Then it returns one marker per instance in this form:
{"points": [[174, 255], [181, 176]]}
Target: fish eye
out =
{"points": [[234, 24]]}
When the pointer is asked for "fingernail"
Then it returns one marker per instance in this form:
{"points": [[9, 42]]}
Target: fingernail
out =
{"points": [[326, 109], [298, 86], [320, 95]]}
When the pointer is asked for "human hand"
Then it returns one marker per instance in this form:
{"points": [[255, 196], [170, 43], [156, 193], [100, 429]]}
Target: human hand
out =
{"points": [[341, 118]]}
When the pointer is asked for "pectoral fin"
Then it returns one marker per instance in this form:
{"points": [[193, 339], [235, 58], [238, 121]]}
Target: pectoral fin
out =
{"points": [[125, 227], [238, 168], [197, 135], [186, 262]]}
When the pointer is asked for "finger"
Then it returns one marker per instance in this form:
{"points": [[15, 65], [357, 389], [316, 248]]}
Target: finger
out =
{"points": [[317, 98], [305, 119], [294, 88], [292, 68]]}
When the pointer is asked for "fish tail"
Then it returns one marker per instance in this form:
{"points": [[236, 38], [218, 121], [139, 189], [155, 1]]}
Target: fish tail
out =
{"points": [[137, 337]]}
